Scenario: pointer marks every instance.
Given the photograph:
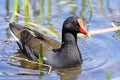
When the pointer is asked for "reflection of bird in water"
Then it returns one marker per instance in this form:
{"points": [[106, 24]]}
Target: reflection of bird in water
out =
{"points": [[69, 73], [32, 68]]}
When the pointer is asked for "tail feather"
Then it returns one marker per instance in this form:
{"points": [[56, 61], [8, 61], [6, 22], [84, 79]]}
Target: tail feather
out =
{"points": [[16, 30], [23, 38]]}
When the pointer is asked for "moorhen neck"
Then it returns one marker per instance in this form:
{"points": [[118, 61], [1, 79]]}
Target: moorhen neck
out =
{"points": [[56, 54]]}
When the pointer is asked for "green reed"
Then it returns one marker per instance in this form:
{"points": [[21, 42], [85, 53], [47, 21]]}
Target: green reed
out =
{"points": [[108, 76], [16, 10], [41, 8], [49, 7], [26, 10], [43, 28], [41, 59], [100, 5], [91, 7], [41, 53], [7, 7]]}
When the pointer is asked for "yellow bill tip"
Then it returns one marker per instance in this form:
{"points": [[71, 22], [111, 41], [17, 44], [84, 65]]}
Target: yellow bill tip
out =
{"points": [[88, 35]]}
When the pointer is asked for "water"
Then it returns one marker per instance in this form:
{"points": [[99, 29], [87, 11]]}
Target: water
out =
{"points": [[100, 52]]}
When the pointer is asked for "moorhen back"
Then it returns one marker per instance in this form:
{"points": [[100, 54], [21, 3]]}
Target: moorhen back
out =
{"points": [[56, 54]]}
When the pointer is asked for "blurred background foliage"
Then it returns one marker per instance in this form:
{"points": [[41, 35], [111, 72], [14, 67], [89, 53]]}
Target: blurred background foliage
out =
{"points": [[32, 11], [38, 12]]}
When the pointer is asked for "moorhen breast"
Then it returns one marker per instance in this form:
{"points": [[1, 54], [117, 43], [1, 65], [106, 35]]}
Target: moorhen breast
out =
{"points": [[56, 54]]}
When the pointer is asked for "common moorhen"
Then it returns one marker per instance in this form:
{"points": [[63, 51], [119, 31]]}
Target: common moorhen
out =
{"points": [[56, 54]]}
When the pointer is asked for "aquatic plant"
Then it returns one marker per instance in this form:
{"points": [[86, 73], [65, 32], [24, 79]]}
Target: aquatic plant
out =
{"points": [[41, 53], [16, 10], [108, 76], [26, 10]]}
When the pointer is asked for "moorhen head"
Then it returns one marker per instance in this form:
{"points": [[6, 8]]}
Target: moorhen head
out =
{"points": [[56, 54]]}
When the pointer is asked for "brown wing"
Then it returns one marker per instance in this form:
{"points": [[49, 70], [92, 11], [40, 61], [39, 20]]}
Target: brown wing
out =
{"points": [[29, 44], [50, 41]]}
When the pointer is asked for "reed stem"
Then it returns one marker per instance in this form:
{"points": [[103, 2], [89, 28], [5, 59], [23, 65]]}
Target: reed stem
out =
{"points": [[26, 10], [108, 76], [41, 53], [16, 10]]}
